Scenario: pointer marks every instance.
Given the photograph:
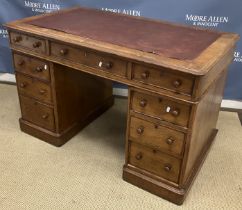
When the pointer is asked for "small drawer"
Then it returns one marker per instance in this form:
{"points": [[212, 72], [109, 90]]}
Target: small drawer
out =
{"points": [[154, 161], [32, 87], [27, 41], [163, 78], [37, 113], [156, 136], [90, 58], [161, 108], [32, 66]]}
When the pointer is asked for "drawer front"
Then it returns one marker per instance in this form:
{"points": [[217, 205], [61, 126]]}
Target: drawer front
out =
{"points": [[33, 43], [155, 162], [34, 88], [90, 58], [37, 113], [160, 108], [159, 137], [163, 78], [32, 66]]}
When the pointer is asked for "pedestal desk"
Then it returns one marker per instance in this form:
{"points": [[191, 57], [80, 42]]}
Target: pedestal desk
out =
{"points": [[66, 61]]}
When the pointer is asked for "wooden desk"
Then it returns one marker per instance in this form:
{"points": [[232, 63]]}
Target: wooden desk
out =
{"points": [[65, 63]]}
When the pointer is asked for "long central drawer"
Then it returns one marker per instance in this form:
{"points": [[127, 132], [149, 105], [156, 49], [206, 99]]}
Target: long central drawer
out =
{"points": [[89, 58]]}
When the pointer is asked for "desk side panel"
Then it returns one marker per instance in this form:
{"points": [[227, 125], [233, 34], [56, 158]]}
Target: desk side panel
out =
{"points": [[203, 127]]}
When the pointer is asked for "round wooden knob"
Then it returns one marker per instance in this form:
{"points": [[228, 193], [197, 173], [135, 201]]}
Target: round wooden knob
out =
{"points": [[108, 65], [167, 167], [17, 39], [23, 84], [154, 151], [140, 130], [139, 156], [177, 83], [145, 75], [170, 141], [143, 103], [42, 92], [175, 112], [39, 69], [45, 116], [20, 63], [36, 44], [63, 51]]}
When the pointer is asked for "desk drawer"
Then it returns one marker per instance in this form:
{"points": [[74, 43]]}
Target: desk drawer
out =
{"points": [[32, 66], [26, 41], [154, 161], [163, 78], [93, 59], [34, 88], [161, 108], [156, 136], [37, 113]]}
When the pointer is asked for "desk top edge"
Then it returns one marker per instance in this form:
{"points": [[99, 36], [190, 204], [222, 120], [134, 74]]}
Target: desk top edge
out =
{"points": [[197, 66]]}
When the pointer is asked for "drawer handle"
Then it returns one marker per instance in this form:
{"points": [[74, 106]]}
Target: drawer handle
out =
{"points": [[36, 44], [170, 141], [143, 103], [177, 83], [23, 84], [39, 69], [17, 39], [42, 92], [167, 167], [106, 65], [145, 75], [45, 116], [63, 51], [139, 156], [20, 62], [175, 112], [140, 130]]}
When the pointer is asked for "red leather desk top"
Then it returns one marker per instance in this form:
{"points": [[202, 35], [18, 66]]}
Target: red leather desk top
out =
{"points": [[173, 41]]}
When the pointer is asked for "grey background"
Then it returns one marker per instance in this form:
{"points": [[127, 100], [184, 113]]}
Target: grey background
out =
{"points": [[224, 16]]}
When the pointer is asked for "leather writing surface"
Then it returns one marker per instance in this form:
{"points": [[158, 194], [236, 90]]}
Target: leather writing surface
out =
{"points": [[184, 43]]}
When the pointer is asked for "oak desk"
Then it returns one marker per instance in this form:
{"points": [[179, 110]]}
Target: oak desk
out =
{"points": [[65, 63]]}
